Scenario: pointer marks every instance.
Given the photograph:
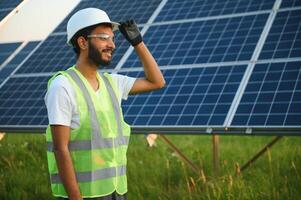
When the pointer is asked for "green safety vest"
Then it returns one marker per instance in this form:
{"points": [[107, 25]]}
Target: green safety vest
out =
{"points": [[98, 146]]}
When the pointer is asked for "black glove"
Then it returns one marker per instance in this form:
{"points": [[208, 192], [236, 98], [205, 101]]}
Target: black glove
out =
{"points": [[130, 31]]}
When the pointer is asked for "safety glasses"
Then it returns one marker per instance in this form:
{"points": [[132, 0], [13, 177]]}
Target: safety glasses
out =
{"points": [[102, 37]]}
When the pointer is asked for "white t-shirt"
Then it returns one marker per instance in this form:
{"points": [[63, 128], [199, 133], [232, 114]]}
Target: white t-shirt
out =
{"points": [[60, 99]]}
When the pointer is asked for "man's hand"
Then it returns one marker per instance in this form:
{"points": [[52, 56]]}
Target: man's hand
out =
{"points": [[130, 31]]}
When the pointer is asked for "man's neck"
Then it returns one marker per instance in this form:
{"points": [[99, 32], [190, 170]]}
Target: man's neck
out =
{"points": [[88, 70]]}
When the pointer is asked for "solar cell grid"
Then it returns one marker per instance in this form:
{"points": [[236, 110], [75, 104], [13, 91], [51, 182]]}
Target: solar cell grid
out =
{"points": [[7, 6], [284, 39], [24, 53], [118, 10], [3, 13], [195, 96], [9, 3], [21, 101], [290, 3], [6, 72], [17, 59], [272, 96], [7, 49], [221, 40], [52, 55], [178, 9]]}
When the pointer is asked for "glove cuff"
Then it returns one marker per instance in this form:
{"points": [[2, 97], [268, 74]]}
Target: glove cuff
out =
{"points": [[137, 40]]}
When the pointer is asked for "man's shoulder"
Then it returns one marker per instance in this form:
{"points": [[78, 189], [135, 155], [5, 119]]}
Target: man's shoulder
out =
{"points": [[60, 86], [113, 75], [119, 76], [60, 81]]}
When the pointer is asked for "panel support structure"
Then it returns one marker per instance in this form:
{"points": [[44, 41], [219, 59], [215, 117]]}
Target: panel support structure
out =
{"points": [[260, 153], [180, 154], [216, 159]]}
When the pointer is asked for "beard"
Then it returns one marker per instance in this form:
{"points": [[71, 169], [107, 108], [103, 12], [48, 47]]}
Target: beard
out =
{"points": [[96, 57]]}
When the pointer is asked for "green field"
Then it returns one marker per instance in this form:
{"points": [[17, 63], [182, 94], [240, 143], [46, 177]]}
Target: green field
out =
{"points": [[157, 172]]}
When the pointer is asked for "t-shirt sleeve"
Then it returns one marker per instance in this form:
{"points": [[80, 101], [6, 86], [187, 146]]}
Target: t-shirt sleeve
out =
{"points": [[58, 102], [124, 84]]}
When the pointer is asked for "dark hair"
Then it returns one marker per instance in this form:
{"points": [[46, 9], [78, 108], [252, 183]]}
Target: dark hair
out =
{"points": [[81, 33], [84, 33]]}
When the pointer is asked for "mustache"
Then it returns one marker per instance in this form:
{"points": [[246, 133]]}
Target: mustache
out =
{"points": [[113, 50]]}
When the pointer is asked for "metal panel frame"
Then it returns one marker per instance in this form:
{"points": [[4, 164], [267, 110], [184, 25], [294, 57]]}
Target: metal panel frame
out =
{"points": [[187, 130]]}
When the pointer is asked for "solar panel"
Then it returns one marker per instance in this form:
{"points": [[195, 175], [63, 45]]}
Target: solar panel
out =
{"points": [[6, 50], [53, 55], [9, 3], [290, 3], [6, 6], [28, 48], [118, 10], [21, 101], [193, 96], [206, 51], [3, 13], [8, 68], [272, 96], [284, 40], [211, 41], [179, 10]]}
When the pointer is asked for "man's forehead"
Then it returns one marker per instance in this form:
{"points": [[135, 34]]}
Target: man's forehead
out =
{"points": [[103, 28]]}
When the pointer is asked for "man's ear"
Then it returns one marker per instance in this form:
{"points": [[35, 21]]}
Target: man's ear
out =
{"points": [[82, 43]]}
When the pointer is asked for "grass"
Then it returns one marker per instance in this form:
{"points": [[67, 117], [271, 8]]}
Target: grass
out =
{"points": [[158, 173]]}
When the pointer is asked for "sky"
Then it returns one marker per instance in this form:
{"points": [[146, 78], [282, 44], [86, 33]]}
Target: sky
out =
{"points": [[35, 20]]}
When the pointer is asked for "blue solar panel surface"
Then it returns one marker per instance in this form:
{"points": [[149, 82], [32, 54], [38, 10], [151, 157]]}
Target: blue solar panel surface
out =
{"points": [[222, 40], [178, 9], [284, 40], [193, 96], [205, 50], [272, 96], [29, 47], [16, 60], [9, 3], [290, 3], [3, 13], [24, 98], [53, 55], [6, 6], [7, 49]]}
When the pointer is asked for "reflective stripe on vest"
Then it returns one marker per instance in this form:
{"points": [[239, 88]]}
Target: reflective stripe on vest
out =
{"points": [[97, 141], [114, 102], [78, 145], [95, 175]]}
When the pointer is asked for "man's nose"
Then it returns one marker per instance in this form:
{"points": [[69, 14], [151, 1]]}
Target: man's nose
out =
{"points": [[111, 43]]}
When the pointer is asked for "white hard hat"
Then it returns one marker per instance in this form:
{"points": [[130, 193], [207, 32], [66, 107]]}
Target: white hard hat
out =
{"points": [[85, 18]]}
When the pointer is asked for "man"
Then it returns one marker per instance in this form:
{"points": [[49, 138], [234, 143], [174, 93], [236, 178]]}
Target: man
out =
{"points": [[87, 137]]}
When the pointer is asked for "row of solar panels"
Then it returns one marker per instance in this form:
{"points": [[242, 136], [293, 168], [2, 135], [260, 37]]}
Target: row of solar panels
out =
{"points": [[7, 49], [205, 50], [6, 6]]}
